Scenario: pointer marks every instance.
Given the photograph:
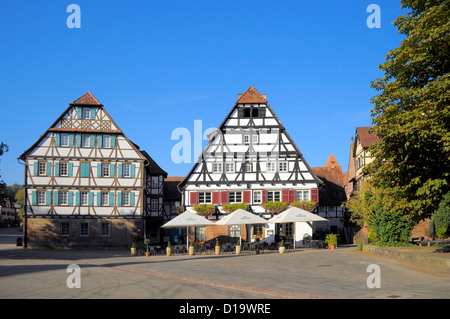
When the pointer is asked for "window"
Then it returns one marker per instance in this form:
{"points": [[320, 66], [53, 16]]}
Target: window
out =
{"points": [[85, 140], [273, 196], [65, 229], [246, 112], [254, 112], [155, 182], [42, 168], [106, 141], [105, 199], [200, 234], [63, 169], [234, 230], [246, 139], [105, 170], [229, 167], [271, 166], [63, 198], [125, 199], [83, 198], [258, 231], [105, 229], [302, 196], [257, 197], [41, 197], [84, 229], [254, 138], [235, 197], [86, 113], [154, 204], [248, 167], [283, 166], [204, 198], [64, 139], [126, 170], [217, 167]]}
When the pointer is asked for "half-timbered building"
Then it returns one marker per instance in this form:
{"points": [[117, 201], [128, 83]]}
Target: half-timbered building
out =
{"points": [[84, 181], [250, 158]]}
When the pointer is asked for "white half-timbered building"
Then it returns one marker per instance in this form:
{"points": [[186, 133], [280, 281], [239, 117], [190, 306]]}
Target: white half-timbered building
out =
{"points": [[84, 181], [250, 158]]}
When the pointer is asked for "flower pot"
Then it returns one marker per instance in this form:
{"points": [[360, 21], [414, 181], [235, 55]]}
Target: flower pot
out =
{"points": [[169, 251], [217, 250], [238, 249], [282, 249], [191, 250], [147, 254], [331, 246], [133, 251]]}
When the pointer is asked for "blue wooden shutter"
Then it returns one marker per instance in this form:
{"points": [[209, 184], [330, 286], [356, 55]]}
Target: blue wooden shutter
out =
{"points": [[36, 168], [77, 199], [70, 198], [132, 202], [119, 198], [71, 138], [84, 170], [92, 140], [93, 113], [79, 112], [49, 198], [91, 198], [99, 141], [33, 198], [57, 139], [56, 168], [49, 169], [99, 199], [55, 198], [99, 169], [133, 170], [78, 140], [119, 170], [113, 141], [111, 199], [112, 170], [70, 172]]}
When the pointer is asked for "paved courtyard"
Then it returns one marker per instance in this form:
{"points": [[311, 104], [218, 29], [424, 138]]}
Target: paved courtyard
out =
{"points": [[340, 273]]}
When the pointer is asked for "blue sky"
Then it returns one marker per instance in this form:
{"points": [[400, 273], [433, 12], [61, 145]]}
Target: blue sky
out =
{"points": [[160, 65]]}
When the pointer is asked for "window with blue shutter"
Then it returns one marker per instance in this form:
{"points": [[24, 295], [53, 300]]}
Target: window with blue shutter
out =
{"points": [[119, 198], [133, 170], [111, 199], [71, 137], [99, 199], [112, 170], [70, 172], [49, 198], [93, 113], [132, 201], [78, 140], [91, 198], [79, 112], [77, 199], [99, 169], [84, 170], [36, 168], [92, 140], [57, 139], [70, 198], [99, 141], [56, 168], [119, 170], [113, 141]]}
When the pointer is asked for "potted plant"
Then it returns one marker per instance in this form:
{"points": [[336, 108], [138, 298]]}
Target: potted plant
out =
{"points": [[238, 247], [217, 247], [331, 240], [134, 249], [169, 249], [282, 249], [147, 242], [191, 249]]}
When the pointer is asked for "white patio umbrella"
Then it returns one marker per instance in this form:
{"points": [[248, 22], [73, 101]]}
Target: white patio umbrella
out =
{"points": [[295, 214], [188, 219], [239, 217]]}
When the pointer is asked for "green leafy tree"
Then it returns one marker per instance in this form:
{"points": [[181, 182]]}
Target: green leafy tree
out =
{"points": [[441, 218], [3, 192], [411, 113]]}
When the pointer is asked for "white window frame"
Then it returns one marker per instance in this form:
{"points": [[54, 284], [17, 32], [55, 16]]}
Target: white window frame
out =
{"points": [[106, 170], [41, 198], [302, 195], [271, 167], [64, 140], [229, 167], [42, 168], [85, 140], [126, 170], [272, 196], [255, 138], [104, 199], [84, 198], [84, 232], [248, 167], [246, 139], [63, 198], [106, 141], [125, 199], [63, 169], [204, 197], [154, 204], [235, 197], [217, 168], [257, 197], [86, 113]]}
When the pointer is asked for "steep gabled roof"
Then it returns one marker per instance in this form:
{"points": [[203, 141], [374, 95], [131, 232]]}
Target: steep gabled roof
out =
{"points": [[152, 167], [251, 96], [87, 99], [332, 193], [366, 139]]}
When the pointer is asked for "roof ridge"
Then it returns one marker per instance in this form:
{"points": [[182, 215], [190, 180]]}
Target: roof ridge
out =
{"points": [[251, 96], [87, 98]]}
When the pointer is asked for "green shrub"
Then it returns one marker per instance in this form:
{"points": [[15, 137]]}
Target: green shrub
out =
{"points": [[392, 229], [441, 217]]}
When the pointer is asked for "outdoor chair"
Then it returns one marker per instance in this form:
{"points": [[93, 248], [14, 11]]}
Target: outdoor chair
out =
{"points": [[246, 246]]}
